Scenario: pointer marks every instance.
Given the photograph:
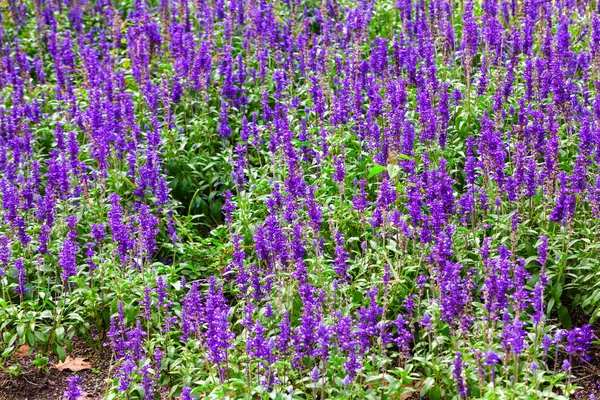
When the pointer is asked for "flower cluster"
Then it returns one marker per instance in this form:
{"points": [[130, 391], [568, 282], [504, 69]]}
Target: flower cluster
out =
{"points": [[263, 199]]}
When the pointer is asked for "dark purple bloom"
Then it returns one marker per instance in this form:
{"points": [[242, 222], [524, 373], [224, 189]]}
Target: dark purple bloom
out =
{"points": [[74, 392], [341, 256], [285, 333], [228, 208], [457, 373], [546, 343], [186, 394], [543, 251], [21, 276], [404, 337], [538, 298], [218, 335], [491, 358], [426, 322], [124, 374], [513, 334], [314, 375], [68, 259], [148, 230], [313, 208], [98, 232], [147, 382], [579, 340], [119, 229], [161, 291], [146, 304], [360, 202], [565, 204], [339, 169]]}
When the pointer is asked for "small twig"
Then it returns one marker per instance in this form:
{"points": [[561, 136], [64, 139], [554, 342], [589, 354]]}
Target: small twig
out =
{"points": [[583, 377], [31, 383]]}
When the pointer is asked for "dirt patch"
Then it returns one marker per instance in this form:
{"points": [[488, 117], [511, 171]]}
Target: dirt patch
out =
{"points": [[20, 380], [587, 372], [587, 375]]}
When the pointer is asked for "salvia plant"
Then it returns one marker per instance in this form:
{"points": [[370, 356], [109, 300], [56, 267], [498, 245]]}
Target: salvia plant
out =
{"points": [[303, 199]]}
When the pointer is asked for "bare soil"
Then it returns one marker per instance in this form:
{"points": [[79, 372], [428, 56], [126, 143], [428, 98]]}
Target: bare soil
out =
{"points": [[34, 383]]}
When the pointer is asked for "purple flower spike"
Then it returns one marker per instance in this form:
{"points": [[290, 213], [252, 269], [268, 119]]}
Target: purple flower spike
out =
{"points": [[74, 392]]}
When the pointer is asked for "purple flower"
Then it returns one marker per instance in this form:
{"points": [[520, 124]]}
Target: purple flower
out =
{"points": [[98, 232], [313, 208], [339, 169], [245, 131], [457, 373], [314, 375], [20, 267], [89, 252], [124, 374], [147, 382], [546, 343], [538, 298], [565, 204], [341, 256], [218, 335], [186, 394], [369, 326], [387, 194], [360, 202], [513, 334], [224, 129], [161, 290], [119, 230], [426, 322], [146, 303], [285, 333], [228, 208], [543, 251], [238, 166], [579, 340], [491, 358], [68, 254], [484, 79], [5, 254], [403, 337], [74, 392], [191, 310]]}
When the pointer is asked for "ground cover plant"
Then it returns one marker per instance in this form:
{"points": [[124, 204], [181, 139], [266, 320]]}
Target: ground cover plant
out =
{"points": [[302, 199]]}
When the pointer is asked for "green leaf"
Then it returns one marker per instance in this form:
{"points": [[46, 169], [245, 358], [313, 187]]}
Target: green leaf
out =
{"points": [[300, 143], [60, 333], [427, 384], [10, 339], [41, 337], [60, 352], [376, 170], [565, 317], [435, 393], [557, 292], [551, 303], [7, 351]]}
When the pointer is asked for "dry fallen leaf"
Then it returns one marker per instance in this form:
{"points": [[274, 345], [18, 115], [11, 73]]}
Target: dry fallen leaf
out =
{"points": [[22, 351], [415, 386], [86, 396], [406, 395], [73, 364]]}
